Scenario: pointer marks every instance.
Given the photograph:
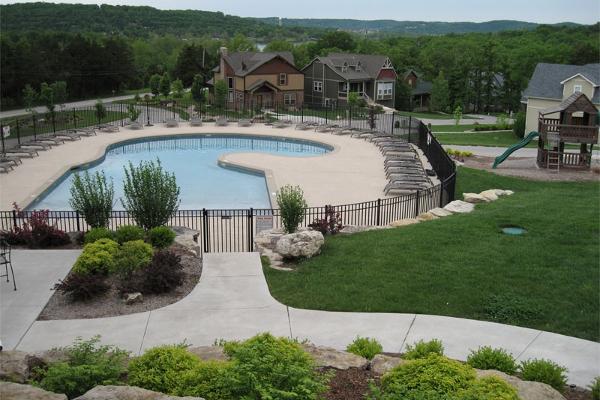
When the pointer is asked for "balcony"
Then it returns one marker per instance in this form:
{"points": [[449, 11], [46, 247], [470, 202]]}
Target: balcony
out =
{"points": [[568, 133]]}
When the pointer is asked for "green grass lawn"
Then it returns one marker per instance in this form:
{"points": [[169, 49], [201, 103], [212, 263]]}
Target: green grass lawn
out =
{"points": [[498, 139], [456, 128], [463, 266], [429, 115]]}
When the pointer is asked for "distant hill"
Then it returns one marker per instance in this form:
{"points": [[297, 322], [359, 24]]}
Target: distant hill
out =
{"points": [[406, 27], [135, 21]]}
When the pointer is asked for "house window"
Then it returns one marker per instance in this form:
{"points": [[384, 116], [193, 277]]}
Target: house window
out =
{"points": [[230, 96], [289, 99], [230, 82], [282, 79], [317, 86], [345, 67], [410, 82], [384, 90], [576, 88]]}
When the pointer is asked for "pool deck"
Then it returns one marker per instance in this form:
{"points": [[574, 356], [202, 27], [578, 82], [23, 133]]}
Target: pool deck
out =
{"points": [[352, 172]]}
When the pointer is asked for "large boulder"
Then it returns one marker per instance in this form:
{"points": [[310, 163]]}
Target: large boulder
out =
{"points": [[527, 390], [474, 198], [490, 195], [332, 358], [127, 393], [17, 391], [350, 229], [427, 216], [207, 353], [304, 244], [404, 222], [188, 239], [380, 364], [440, 212], [459, 207], [14, 366]]}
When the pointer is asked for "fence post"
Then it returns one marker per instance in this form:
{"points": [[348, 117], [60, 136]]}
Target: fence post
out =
{"points": [[393, 121], [417, 204], [251, 229], [205, 230], [34, 127], [350, 119], [18, 132], [2, 134], [302, 113], [53, 122], [78, 225], [409, 126], [14, 215], [378, 212], [148, 114], [121, 110], [442, 193], [74, 119], [325, 113]]}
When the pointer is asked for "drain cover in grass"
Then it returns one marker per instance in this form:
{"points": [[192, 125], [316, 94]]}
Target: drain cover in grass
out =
{"points": [[513, 230]]}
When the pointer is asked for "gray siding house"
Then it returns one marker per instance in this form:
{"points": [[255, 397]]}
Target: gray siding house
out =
{"points": [[328, 80]]}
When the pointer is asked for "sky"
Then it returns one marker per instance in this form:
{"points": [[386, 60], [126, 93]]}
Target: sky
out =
{"points": [[540, 11]]}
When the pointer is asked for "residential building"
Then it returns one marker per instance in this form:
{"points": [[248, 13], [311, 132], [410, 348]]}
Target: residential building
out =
{"points": [[260, 79], [421, 90], [553, 83], [329, 80]]}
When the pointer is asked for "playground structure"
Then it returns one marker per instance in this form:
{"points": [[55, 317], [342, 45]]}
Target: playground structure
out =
{"points": [[577, 123]]}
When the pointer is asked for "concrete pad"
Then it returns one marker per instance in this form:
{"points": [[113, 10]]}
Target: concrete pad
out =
{"points": [[338, 329], [126, 332], [459, 336], [36, 272], [581, 357], [231, 264]]}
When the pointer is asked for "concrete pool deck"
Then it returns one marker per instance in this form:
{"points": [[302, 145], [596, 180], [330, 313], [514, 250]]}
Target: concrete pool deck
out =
{"points": [[352, 172]]}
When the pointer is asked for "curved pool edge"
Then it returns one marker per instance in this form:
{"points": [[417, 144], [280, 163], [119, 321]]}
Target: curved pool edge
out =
{"points": [[100, 155]]}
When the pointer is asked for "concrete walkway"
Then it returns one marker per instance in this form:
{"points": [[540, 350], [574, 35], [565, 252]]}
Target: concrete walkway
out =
{"points": [[232, 301], [485, 151]]}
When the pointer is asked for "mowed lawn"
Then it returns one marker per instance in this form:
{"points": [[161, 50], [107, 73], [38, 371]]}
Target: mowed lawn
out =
{"points": [[464, 266], [494, 139]]}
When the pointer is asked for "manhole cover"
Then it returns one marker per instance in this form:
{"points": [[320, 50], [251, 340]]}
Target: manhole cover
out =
{"points": [[513, 230]]}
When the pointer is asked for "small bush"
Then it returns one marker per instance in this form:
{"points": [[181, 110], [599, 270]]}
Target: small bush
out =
{"points": [[489, 358], [151, 194], [88, 365], [428, 378], [595, 388], [160, 369], [422, 349], [365, 347], [212, 380], [92, 196], [490, 388], [128, 233], [97, 257], [266, 367], [330, 224], [291, 203], [163, 274], [82, 287], [161, 237], [545, 371], [132, 256], [519, 125], [95, 234]]}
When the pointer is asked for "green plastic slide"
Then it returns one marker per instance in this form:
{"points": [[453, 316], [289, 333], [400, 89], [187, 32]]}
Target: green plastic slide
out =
{"points": [[524, 142]]}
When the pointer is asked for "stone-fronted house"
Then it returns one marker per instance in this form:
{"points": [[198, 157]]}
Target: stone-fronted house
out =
{"points": [[329, 80], [550, 84], [260, 79], [420, 90]]}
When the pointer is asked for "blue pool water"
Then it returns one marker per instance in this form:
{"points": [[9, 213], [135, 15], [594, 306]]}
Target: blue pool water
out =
{"points": [[194, 160]]}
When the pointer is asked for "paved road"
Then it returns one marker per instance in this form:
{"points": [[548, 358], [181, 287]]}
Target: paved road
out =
{"points": [[232, 301], [68, 106]]}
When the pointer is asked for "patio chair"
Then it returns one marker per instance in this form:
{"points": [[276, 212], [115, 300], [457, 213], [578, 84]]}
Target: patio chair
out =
{"points": [[6, 261], [22, 152], [135, 126], [303, 126], [37, 146], [6, 167], [108, 128], [67, 136], [171, 123], [15, 160], [245, 122], [82, 131], [345, 130], [221, 121], [196, 121]]}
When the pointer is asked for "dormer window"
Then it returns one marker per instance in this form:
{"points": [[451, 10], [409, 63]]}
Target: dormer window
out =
{"points": [[576, 88], [282, 79], [358, 67], [345, 67]]}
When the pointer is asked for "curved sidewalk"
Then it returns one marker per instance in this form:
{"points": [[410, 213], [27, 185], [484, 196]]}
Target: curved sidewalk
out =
{"points": [[232, 301]]}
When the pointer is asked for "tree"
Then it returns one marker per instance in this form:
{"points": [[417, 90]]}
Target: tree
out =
{"points": [[403, 96], [100, 110], [353, 99], [177, 87], [457, 115], [439, 93], [337, 39], [155, 84], [193, 60], [133, 112], [165, 85], [197, 89], [30, 96], [47, 97], [241, 43], [279, 45], [220, 93], [92, 196], [519, 125], [59, 89]]}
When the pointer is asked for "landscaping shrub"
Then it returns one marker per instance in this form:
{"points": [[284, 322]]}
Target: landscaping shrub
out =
{"points": [[365, 347], [266, 367], [510, 309], [92, 196], [211, 380], [489, 388], [330, 224], [132, 256], [595, 388], [97, 257], [161, 237], [95, 234], [82, 287], [88, 365], [36, 231], [128, 233], [519, 125], [151, 194], [161, 368], [489, 358], [544, 371], [422, 349], [433, 377], [291, 203], [163, 274]]}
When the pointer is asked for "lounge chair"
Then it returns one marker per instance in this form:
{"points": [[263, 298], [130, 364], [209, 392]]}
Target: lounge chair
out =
{"points": [[108, 128], [22, 152], [245, 122], [325, 128], [15, 160], [71, 137], [303, 126], [221, 121], [36, 145], [196, 121], [171, 123], [6, 167], [135, 125], [83, 131]]}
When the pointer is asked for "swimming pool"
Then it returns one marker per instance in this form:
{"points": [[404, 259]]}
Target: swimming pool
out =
{"points": [[194, 160]]}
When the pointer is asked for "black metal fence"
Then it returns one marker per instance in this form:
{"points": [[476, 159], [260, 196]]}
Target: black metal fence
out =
{"points": [[234, 230]]}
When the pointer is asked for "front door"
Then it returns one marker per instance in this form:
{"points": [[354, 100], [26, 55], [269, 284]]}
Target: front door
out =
{"points": [[259, 101]]}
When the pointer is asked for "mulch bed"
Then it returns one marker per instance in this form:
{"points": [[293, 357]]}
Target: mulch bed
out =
{"points": [[111, 304], [351, 384]]}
